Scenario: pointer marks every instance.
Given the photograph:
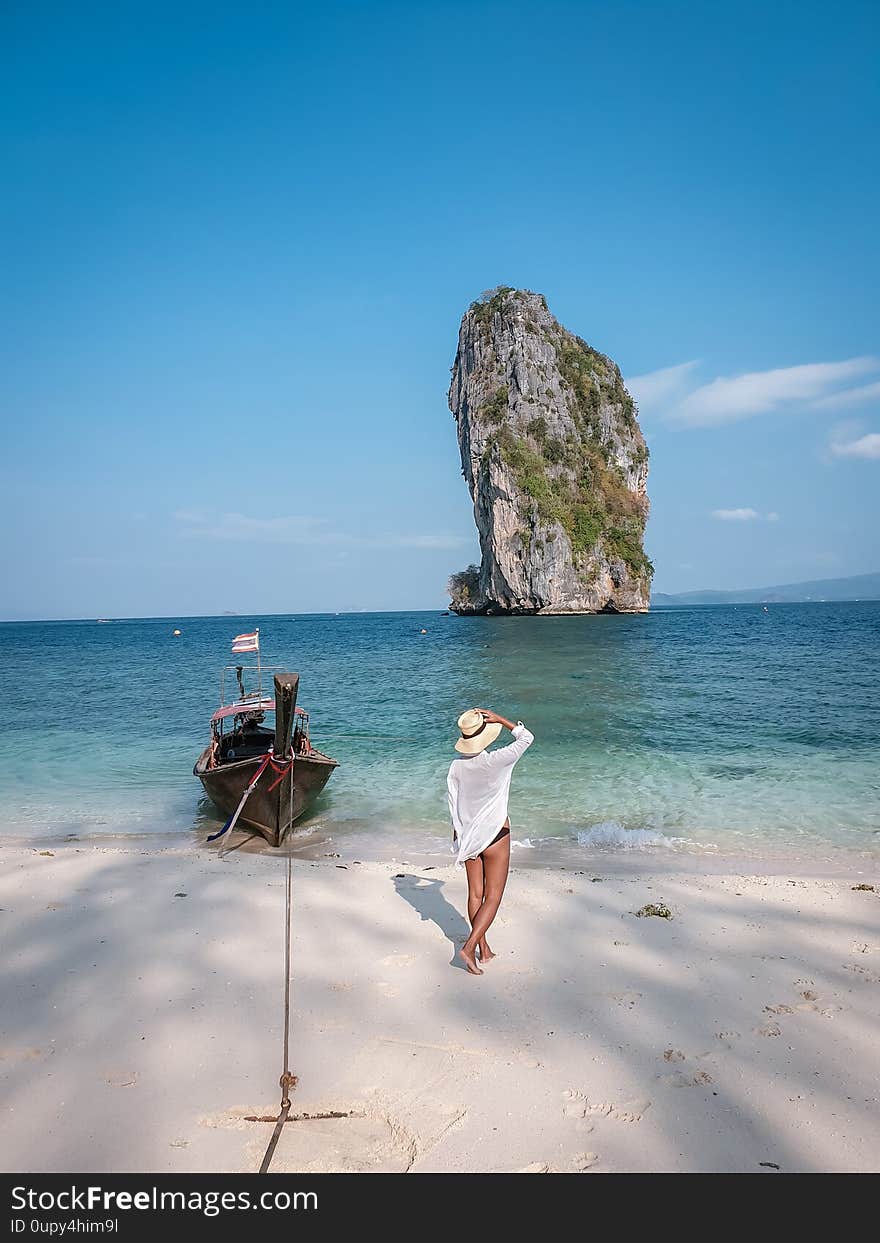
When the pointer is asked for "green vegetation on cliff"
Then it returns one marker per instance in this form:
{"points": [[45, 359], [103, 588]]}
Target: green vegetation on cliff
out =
{"points": [[592, 377], [593, 505], [493, 300], [495, 408], [464, 587]]}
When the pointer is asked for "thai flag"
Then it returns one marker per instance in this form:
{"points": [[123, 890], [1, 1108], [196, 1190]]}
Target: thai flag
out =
{"points": [[246, 643]]}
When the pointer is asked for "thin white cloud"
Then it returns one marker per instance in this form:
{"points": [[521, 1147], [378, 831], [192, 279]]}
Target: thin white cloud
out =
{"points": [[849, 397], [744, 514], [736, 515], [420, 541], [298, 529], [671, 394], [656, 388], [731, 398], [867, 447], [289, 530]]}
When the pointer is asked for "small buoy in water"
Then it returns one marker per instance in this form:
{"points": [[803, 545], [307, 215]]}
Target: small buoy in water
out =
{"points": [[177, 632], [423, 632]]}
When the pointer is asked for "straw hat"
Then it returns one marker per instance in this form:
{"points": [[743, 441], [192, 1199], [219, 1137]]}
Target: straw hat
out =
{"points": [[476, 733]]}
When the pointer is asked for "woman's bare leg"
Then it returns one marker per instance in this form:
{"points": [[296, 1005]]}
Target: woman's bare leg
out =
{"points": [[485, 952], [476, 893], [496, 865], [475, 879]]}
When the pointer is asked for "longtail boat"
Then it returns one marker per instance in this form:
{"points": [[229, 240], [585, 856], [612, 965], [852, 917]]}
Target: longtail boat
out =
{"points": [[261, 776]]}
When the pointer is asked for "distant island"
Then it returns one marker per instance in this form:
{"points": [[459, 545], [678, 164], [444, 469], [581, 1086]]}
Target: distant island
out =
{"points": [[858, 587], [555, 462]]}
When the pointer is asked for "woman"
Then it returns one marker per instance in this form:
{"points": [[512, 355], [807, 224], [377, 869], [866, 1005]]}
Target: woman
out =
{"points": [[478, 787]]}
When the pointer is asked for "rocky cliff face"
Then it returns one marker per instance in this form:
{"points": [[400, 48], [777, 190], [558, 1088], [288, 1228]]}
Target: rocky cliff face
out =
{"points": [[556, 465]]}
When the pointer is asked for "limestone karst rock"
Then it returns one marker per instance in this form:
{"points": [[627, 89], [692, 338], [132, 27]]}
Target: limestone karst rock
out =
{"points": [[556, 465]]}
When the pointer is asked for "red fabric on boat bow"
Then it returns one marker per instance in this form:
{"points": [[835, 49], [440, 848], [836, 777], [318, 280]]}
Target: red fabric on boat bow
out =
{"points": [[264, 764], [281, 768]]}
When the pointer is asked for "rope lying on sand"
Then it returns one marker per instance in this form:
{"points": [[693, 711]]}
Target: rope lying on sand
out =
{"points": [[287, 1080]]}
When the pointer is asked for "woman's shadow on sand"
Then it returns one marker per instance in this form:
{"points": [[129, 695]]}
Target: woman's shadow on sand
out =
{"points": [[425, 895]]}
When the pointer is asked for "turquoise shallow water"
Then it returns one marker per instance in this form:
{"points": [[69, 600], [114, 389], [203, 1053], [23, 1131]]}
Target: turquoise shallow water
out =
{"points": [[723, 728]]}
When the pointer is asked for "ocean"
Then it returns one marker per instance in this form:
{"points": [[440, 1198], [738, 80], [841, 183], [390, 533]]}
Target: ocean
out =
{"points": [[723, 729]]}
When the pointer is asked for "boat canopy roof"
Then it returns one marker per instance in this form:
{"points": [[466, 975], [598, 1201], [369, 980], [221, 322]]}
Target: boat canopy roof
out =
{"points": [[247, 705]]}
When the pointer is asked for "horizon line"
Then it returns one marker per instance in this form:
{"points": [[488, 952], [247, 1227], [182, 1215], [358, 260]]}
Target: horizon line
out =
{"points": [[15, 621], [97, 621]]}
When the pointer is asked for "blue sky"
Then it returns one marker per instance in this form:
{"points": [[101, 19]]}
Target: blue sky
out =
{"points": [[238, 241]]}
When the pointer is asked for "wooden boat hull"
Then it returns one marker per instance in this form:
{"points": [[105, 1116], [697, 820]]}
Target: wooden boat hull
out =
{"points": [[268, 812]]}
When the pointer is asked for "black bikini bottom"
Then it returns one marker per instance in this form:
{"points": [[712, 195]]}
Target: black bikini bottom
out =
{"points": [[505, 831]]}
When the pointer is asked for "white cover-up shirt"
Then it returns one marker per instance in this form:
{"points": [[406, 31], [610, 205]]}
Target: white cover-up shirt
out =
{"points": [[478, 787]]}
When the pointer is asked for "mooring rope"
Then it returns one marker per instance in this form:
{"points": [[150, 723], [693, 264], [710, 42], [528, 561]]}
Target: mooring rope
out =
{"points": [[287, 1080]]}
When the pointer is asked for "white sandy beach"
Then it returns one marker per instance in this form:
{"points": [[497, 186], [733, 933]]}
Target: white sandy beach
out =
{"points": [[140, 1026]]}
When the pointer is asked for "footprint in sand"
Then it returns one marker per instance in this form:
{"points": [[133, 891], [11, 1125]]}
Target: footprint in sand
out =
{"points": [[573, 1104], [681, 1079], [628, 998], [627, 1111], [19, 1055], [810, 998], [827, 1012], [578, 1105], [731, 1035], [673, 1055], [399, 960], [122, 1078], [678, 1079], [579, 1163], [864, 972], [780, 1009], [769, 1029]]}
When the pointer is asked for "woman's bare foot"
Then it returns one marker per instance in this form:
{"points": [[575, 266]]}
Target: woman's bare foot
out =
{"points": [[485, 953], [469, 961]]}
